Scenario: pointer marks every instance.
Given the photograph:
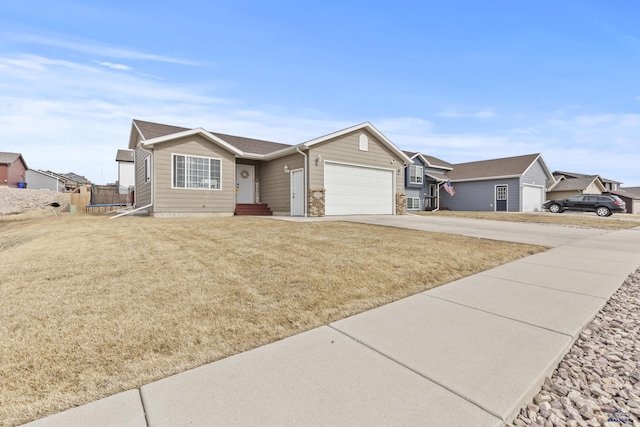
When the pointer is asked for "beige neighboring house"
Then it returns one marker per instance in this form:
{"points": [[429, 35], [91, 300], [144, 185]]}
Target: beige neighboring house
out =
{"points": [[566, 187], [195, 172], [631, 197]]}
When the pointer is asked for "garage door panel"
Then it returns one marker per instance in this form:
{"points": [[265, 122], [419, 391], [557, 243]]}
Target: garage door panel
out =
{"points": [[352, 190], [532, 198]]}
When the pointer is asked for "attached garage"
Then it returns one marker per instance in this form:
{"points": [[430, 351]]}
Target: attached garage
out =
{"points": [[532, 198], [355, 190]]}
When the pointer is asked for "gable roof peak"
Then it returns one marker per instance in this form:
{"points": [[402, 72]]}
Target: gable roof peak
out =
{"points": [[493, 168]]}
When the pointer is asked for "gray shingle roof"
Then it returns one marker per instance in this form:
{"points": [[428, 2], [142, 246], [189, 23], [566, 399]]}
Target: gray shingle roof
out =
{"points": [[568, 175], [574, 184], [434, 161], [151, 130], [8, 158], [250, 145], [485, 169], [124, 156]]}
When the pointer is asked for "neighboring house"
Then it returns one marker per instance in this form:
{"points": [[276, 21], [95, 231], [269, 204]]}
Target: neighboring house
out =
{"points": [[72, 181], [422, 181], [126, 170], [40, 180], [13, 169], [513, 184], [631, 196], [608, 184], [193, 172], [565, 187]]}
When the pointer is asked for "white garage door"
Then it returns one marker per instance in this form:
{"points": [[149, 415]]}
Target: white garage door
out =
{"points": [[532, 198], [353, 190]]}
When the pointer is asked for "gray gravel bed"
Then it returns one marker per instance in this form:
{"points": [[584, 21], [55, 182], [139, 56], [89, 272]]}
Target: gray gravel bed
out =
{"points": [[598, 381]]}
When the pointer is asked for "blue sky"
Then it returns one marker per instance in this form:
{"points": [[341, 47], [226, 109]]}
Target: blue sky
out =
{"points": [[459, 80]]}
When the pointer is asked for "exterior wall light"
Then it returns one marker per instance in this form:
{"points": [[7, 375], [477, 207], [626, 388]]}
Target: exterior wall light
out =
{"points": [[286, 168], [318, 160]]}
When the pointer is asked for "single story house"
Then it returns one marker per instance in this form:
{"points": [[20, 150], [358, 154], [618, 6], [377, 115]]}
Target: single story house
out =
{"points": [[510, 184], [422, 181], [13, 169], [194, 172], [72, 181], [608, 184], [41, 180], [564, 187], [126, 170]]}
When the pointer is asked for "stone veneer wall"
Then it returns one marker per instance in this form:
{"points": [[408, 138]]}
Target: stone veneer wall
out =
{"points": [[401, 203], [316, 201]]}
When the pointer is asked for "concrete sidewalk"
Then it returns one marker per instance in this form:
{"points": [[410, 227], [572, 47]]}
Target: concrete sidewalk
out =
{"points": [[468, 353]]}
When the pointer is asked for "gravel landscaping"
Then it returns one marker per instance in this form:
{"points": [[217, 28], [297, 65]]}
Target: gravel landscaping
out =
{"points": [[19, 200], [598, 381]]}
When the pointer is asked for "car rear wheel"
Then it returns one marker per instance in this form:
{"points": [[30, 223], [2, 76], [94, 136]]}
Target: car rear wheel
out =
{"points": [[555, 208], [603, 211]]}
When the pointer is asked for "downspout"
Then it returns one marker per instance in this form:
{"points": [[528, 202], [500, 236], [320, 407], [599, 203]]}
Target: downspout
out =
{"points": [[150, 182], [306, 189], [438, 195]]}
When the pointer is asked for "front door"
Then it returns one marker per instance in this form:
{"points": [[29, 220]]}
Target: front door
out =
{"points": [[432, 200], [297, 192], [501, 198], [245, 176]]}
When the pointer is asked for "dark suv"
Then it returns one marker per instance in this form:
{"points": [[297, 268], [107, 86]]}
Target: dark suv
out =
{"points": [[601, 204]]}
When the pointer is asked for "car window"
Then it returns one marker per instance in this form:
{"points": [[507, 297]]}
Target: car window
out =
{"points": [[576, 198]]}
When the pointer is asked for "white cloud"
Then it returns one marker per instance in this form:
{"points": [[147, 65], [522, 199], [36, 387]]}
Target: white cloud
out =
{"points": [[121, 67], [454, 114], [98, 49]]}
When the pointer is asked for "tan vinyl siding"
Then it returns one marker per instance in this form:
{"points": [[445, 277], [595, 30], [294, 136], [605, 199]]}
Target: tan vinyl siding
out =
{"points": [[197, 201], [345, 149], [143, 189], [275, 184]]}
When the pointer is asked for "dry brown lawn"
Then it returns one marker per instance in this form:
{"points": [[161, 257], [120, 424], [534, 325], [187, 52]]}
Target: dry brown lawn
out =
{"points": [[615, 222], [91, 307]]}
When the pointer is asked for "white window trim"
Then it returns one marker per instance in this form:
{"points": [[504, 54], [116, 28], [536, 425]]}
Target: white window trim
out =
{"points": [[173, 156], [506, 191], [419, 175], [413, 203]]}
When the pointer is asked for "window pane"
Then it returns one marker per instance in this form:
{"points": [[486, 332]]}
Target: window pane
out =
{"points": [[178, 171], [197, 172], [215, 174], [415, 174]]}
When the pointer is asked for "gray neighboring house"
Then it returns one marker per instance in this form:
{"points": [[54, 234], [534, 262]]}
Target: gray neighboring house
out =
{"points": [[510, 184], [423, 179], [41, 180]]}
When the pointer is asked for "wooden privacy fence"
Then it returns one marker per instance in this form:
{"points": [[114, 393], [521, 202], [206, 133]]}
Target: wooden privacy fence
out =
{"points": [[99, 198], [81, 197]]}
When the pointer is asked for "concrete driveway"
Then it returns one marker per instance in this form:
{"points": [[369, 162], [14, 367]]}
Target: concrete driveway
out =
{"points": [[518, 232]]}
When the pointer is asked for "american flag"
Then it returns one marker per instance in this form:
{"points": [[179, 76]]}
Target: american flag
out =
{"points": [[449, 188]]}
